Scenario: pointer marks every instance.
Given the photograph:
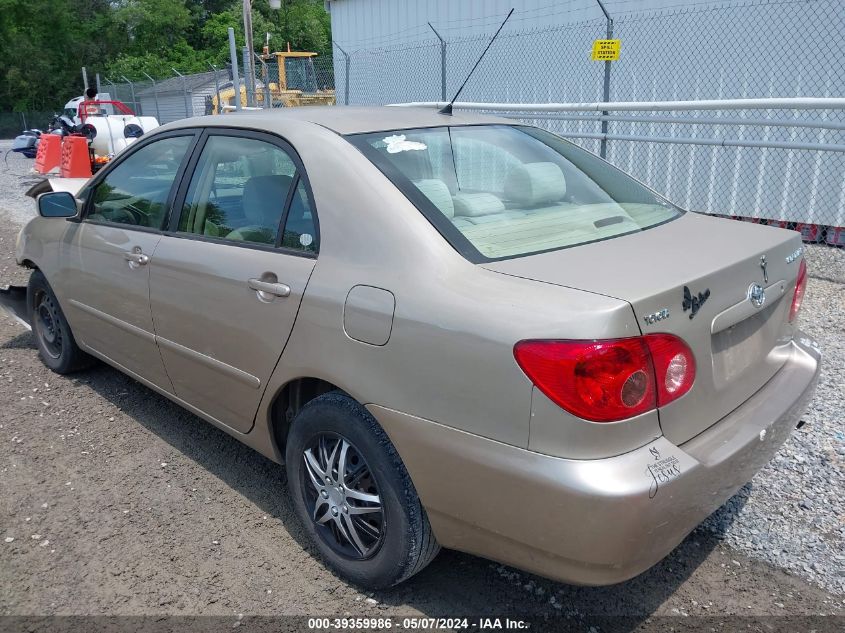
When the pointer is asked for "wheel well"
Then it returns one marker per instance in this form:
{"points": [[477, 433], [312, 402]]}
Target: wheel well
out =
{"points": [[293, 396], [29, 264]]}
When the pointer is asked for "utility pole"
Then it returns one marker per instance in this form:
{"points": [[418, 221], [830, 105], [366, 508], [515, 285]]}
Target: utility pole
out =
{"points": [[346, 87], [236, 82], [249, 67], [442, 63], [155, 96], [603, 146]]}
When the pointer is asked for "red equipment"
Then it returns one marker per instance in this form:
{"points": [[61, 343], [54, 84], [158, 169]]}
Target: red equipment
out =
{"points": [[89, 108]]}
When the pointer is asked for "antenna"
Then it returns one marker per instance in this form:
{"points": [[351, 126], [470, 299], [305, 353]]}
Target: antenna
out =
{"points": [[447, 109]]}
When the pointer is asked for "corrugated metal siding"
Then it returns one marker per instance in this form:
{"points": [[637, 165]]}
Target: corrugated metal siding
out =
{"points": [[360, 24], [171, 99], [171, 106]]}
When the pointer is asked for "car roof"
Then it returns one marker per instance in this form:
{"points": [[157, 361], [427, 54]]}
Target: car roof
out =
{"points": [[344, 119]]}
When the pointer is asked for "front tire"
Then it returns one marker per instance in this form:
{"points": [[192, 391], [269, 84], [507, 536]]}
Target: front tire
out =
{"points": [[353, 495], [56, 345]]}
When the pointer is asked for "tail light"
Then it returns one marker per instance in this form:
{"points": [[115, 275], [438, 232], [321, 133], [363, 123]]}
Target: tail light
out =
{"points": [[610, 380], [674, 366], [800, 287]]}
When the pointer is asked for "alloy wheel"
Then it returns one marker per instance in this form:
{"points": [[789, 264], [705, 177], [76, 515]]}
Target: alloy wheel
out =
{"points": [[340, 487]]}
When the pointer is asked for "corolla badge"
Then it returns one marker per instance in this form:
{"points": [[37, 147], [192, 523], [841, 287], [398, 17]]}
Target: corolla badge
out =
{"points": [[756, 295], [794, 255], [654, 317], [692, 302]]}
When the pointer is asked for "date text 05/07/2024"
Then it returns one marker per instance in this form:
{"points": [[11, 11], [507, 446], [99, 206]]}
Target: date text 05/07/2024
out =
{"points": [[417, 623]]}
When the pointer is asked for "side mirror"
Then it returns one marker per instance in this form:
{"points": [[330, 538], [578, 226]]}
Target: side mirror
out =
{"points": [[57, 204]]}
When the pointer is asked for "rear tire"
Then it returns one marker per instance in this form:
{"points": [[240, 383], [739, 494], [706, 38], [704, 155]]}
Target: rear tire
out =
{"points": [[367, 523], [53, 337]]}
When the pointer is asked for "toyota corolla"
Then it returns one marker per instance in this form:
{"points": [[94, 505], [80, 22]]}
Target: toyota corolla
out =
{"points": [[452, 330]]}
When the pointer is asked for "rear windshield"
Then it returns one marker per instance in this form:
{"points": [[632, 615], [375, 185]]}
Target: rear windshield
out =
{"points": [[501, 191]]}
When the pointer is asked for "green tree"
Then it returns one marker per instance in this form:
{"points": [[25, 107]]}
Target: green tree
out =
{"points": [[44, 43], [302, 23], [215, 31], [306, 25], [153, 26]]}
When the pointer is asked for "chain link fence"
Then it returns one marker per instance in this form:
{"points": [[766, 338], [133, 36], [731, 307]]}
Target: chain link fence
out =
{"points": [[169, 98], [12, 123], [749, 164], [713, 50], [306, 81], [291, 80]]}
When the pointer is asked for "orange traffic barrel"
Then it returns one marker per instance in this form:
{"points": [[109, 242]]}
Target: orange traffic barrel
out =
{"points": [[49, 154], [76, 161]]}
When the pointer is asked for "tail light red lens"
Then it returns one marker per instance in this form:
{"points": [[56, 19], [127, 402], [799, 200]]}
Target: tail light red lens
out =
{"points": [[800, 288], [610, 380]]}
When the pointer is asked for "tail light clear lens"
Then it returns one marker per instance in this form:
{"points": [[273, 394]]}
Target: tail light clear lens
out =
{"points": [[610, 380], [800, 288], [674, 366]]}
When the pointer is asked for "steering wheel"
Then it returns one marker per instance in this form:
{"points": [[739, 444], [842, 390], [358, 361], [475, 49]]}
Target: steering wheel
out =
{"points": [[141, 217]]}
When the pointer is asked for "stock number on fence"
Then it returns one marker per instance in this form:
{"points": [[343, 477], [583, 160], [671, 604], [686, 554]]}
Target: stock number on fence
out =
{"points": [[606, 50]]}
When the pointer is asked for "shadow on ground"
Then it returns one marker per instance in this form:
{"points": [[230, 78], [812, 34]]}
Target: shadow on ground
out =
{"points": [[454, 584]]}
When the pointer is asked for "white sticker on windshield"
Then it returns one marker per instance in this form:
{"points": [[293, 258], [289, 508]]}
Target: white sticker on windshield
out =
{"points": [[305, 239], [397, 143]]}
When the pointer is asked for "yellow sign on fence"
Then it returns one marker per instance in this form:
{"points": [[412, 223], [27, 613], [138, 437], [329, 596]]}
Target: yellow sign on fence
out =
{"points": [[606, 50]]}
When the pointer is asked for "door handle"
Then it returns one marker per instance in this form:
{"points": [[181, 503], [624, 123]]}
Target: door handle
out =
{"points": [[137, 257], [269, 288]]}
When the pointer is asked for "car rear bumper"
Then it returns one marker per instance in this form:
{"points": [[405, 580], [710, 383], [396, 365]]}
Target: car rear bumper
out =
{"points": [[13, 301], [600, 521]]}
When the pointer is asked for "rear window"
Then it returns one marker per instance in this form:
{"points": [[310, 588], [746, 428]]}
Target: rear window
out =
{"points": [[500, 191]]}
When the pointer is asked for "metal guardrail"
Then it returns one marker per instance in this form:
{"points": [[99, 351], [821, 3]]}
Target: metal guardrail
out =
{"points": [[787, 103], [547, 111]]}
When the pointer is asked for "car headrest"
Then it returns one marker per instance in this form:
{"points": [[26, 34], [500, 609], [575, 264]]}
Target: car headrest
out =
{"points": [[533, 184], [264, 198], [473, 205], [438, 193]]}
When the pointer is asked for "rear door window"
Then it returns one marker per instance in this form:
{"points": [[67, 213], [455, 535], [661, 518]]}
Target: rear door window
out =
{"points": [[239, 191], [301, 223]]}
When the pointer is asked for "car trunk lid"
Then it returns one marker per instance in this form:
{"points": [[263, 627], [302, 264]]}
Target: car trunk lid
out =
{"points": [[691, 277]]}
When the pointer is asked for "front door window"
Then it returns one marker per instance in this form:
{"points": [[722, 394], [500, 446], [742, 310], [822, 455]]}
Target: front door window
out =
{"points": [[137, 190]]}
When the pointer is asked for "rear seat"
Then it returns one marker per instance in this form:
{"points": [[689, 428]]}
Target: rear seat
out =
{"points": [[535, 185], [481, 208], [531, 189], [531, 212], [464, 209]]}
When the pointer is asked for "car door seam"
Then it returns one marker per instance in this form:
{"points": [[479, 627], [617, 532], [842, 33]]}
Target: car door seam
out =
{"points": [[152, 314], [284, 347]]}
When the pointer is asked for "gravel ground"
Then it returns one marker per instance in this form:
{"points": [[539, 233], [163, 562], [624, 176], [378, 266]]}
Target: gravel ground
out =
{"points": [[15, 179], [113, 500], [793, 512]]}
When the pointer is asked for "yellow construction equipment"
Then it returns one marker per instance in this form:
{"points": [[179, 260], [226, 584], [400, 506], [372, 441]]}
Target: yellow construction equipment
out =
{"points": [[291, 81]]}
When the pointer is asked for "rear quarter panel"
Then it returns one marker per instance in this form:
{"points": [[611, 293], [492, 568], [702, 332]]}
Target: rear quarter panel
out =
{"points": [[449, 357]]}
